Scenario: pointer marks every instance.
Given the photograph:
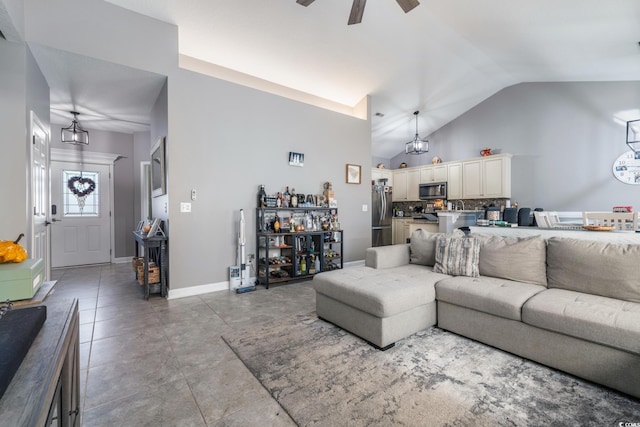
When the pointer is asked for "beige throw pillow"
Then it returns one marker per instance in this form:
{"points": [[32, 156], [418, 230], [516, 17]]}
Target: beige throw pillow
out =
{"points": [[457, 256], [522, 259]]}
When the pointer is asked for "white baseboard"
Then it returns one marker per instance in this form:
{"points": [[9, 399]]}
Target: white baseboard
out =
{"points": [[224, 286], [201, 289], [123, 260], [358, 263]]}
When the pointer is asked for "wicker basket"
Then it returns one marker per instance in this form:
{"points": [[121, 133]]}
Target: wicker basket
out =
{"points": [[154, 274], [137, 261]]}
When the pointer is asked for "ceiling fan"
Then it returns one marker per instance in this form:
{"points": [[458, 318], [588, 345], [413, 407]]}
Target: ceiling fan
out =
{"points": [[357, 9]]}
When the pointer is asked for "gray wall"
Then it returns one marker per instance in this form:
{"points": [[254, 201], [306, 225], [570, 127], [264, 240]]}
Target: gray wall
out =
{"points": [[123, 180], [141, 148], [160, 129], [222, 139], [564, 138]]}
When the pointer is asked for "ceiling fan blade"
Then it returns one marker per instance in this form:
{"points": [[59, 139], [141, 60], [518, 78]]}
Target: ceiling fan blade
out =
{"points": [[408, 5], [305, 2], [357, 9]]}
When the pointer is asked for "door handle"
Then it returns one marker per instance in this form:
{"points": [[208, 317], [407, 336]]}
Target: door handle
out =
{"points": [[55, 220], [46, 223]]}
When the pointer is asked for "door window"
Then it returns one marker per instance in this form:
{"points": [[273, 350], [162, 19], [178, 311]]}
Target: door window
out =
{"points": [[80, 192]]}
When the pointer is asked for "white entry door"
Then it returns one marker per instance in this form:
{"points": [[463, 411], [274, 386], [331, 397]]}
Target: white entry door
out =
{"points": [[39, 177], [81, 224]]}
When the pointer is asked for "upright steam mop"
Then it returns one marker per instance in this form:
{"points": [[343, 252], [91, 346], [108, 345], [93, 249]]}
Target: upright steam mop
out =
{"points": [[242, 259]]}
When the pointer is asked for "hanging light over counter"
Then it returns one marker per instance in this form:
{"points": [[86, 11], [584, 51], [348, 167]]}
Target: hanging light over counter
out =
{"points": [[74, 134], [633, 135], [417, 145]]}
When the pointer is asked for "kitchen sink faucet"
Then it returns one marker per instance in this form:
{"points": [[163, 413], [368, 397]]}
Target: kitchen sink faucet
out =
{"points": [[462, 203]]}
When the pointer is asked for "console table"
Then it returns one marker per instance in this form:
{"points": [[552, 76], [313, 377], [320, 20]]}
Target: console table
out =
{"points": [[149, 243]]}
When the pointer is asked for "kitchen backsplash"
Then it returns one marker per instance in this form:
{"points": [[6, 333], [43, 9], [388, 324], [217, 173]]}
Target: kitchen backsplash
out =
{"points": [[469, 204]]}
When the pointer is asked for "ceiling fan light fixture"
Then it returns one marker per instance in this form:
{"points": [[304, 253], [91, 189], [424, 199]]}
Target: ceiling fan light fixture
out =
{"points": [[74, 134], [417, 145]]}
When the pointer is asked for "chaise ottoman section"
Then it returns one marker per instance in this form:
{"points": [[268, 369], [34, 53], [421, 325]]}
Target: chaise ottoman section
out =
{"points": [[380, 308]]}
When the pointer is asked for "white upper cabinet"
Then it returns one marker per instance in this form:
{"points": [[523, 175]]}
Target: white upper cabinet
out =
{"points": [[487, 177], [399, 186], [377, 174], [413, 185], [454, 181]]}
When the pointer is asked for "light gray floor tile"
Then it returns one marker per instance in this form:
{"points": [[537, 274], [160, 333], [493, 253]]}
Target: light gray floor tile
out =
{"points": [[85, 350], [130, 377], [225, 389], [87, 316], [136, 344], [131, 307], [264, 413], [86, 333], [123, 325], [170, 404]]}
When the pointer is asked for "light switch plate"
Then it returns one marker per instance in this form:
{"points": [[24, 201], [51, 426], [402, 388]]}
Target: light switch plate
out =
{"points": [[185, 207], [365, 208], [193, 194]]}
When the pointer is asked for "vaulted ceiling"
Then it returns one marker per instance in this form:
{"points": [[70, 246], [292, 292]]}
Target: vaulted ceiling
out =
{"points": [[442, 58]]}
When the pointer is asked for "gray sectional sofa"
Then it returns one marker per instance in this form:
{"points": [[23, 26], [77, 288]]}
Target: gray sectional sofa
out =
{"points": [[567, 303]]}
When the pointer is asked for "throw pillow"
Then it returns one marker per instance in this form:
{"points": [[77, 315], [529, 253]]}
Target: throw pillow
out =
{"points": [[422, 245], [457, 256], [522, 259]]}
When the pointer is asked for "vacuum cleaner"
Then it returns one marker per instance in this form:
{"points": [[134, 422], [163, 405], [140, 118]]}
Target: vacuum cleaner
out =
{"points": [[242, 259]]}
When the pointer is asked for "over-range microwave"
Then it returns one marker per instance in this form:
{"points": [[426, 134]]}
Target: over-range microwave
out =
{"points": [[433, 190]]}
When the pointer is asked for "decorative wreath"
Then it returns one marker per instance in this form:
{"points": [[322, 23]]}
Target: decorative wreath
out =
{"points": [[81, 186]]}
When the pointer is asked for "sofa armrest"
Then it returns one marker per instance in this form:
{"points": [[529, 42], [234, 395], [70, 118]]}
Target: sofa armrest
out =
{"points": [[387, 256]]}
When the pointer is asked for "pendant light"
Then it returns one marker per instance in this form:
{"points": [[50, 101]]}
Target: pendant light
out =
{"points": [[633, 135], [417, 145], [74, 134]]}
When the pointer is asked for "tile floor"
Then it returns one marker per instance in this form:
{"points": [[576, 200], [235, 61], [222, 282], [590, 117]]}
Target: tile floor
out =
{"points": [[163, 363]]}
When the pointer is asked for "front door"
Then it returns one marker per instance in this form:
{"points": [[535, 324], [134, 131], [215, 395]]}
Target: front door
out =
{"points": [[81, 224]]}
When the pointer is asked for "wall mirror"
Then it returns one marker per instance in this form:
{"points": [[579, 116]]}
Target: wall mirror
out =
{"points": [[158, 179]]}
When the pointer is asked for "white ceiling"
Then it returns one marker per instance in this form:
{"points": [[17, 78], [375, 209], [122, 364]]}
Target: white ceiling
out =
{"points": [[443, 57]]}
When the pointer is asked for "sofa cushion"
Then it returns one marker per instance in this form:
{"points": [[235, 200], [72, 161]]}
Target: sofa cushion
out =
{"points": [[457, 256], [500, 297], [593, 318], [594, 267], [397, 290], [423, 247], [515, 258]]}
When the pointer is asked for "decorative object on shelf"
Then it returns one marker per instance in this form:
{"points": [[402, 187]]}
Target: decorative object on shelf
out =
{"points": [[328, 192], [485, 152], [417, 145], [380, 166], [633, 135], [354, 174], [403, 165], [296, 159], [74, 134], [262, 197], [626, 168], [436, 160], [158, 177], [12, 251], [357, 9]]}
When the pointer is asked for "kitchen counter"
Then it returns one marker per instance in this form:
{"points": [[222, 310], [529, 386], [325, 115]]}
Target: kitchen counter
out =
{"points": [[605, 236]]}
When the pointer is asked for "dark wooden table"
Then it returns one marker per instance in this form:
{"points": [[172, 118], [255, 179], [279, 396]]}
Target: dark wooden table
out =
{"points": [[150, 243]]}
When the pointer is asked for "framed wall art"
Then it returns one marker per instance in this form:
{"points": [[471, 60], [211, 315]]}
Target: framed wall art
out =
{"points": [[158, 175], [354, 174]]}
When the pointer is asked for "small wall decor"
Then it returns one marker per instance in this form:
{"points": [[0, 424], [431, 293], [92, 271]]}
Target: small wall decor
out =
{"points": [[158, 177], [296, 159], [354, 174]]}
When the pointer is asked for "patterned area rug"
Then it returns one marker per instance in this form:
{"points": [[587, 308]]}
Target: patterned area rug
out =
{"points": [[324, 376]]}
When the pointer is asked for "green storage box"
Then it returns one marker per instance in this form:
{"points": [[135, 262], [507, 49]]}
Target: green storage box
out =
{"points": [[21, 280]]}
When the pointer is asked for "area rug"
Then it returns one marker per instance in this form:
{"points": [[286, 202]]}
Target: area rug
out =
{"points": [[324, 376]]}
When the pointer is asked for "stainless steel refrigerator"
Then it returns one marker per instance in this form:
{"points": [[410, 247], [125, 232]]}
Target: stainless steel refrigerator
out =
{"points": [[381, 215]]}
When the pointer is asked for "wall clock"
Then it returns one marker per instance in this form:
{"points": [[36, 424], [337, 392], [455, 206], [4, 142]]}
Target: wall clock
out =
{"points": [[626, 168]]}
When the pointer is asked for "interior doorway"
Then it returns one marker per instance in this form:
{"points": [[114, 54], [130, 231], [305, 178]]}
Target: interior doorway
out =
{"points": [[39, 203]]}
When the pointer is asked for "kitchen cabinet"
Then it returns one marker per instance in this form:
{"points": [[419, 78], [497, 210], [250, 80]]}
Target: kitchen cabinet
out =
{"points": [[377, 174], [426, 226], [437, 173], [399, 186], [400, 228], [413, 185], [296, 255], [487, 177], [454, 181]]}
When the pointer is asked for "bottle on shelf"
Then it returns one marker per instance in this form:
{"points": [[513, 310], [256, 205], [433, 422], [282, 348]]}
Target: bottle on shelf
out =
{"points": [[312, 264], [303, 266], [287, 198], [293, 198], [262, 197], [276, 224]]}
